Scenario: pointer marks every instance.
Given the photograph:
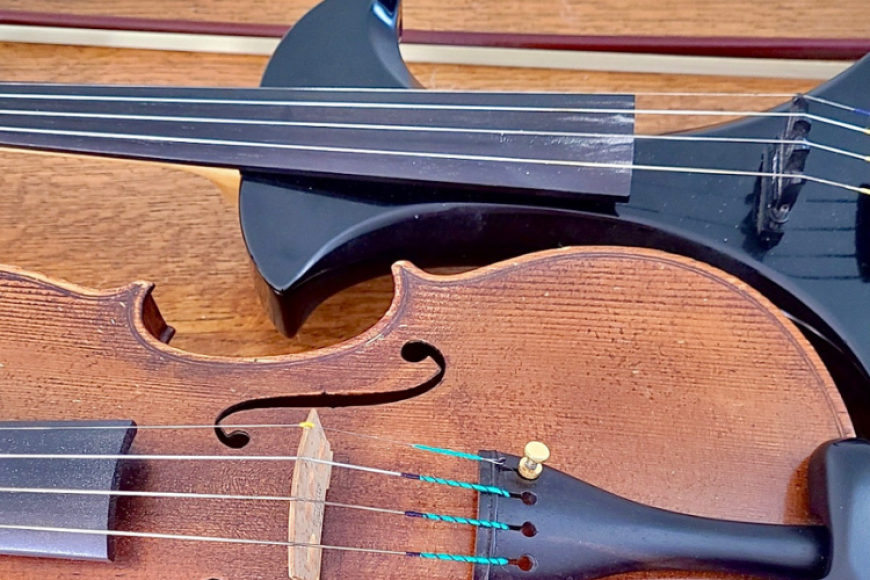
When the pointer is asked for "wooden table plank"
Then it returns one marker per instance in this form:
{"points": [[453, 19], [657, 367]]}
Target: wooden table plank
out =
{"points": [[797, 18]]}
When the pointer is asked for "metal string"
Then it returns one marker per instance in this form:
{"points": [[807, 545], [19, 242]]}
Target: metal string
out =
{"points": [[302, 425], [836, 105], [428, 129], [445, 518], [435, 106], [491, 489], [412, 90], [418, 154], [250, 541]]}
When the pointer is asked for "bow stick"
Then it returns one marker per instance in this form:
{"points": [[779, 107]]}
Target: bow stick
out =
{"points": [[658, 53], [722, 46]]}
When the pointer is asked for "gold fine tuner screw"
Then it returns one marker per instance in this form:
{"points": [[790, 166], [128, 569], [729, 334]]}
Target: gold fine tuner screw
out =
{"points": [[535, 454]]}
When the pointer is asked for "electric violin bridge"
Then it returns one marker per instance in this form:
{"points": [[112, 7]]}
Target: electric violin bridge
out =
{"points": [[783, 165]]}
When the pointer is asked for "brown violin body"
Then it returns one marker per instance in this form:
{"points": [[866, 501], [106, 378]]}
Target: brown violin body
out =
{"points": [[651, 376]]}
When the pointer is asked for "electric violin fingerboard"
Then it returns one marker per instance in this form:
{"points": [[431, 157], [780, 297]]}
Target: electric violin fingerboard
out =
{"points": [[567, 145]]}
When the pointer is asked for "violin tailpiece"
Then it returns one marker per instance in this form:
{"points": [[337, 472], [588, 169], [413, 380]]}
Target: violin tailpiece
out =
{"points": [[572, 529]]}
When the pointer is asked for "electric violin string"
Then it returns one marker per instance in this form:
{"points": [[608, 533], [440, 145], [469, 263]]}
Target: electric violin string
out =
{"points": [[437, 106], [439, 155], [432, 129], [478, 158]]}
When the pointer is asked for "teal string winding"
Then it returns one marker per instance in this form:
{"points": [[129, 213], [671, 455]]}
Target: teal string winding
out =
{"points": [[467, 521], [465, 485], [450, 452], [459, 558]]}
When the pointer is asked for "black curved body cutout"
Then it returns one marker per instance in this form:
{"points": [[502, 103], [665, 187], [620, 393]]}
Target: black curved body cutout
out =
{"points": [[312, 237]]}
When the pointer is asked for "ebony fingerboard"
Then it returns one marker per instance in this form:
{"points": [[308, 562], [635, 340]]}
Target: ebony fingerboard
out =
{"points": [[565, 145]]}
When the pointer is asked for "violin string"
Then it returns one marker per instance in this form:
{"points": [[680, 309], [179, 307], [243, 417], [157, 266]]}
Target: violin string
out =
{"points": [[302, 425], [429, 129], [427, 155], [415, 514], [440, 107], [490, 489], [836, 105], [252, 541], [436, 91]]}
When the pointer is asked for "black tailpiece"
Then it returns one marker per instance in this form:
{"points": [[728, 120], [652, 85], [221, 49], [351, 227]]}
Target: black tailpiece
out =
{"points": [[565, 528]]}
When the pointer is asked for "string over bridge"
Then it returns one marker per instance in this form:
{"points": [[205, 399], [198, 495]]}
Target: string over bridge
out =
{"points": [[784, 162]]}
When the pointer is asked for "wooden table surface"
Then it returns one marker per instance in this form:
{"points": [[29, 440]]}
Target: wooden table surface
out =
{"points": [[104, 223], [777, 18]]}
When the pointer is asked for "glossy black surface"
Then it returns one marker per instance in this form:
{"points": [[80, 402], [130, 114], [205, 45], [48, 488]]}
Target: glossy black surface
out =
{"points": [[95, 512], [310, 238], [499, 144]]}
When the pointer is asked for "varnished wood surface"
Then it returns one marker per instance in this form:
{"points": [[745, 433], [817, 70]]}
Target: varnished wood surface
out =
{"points": [[653, 376], [800, 18]]}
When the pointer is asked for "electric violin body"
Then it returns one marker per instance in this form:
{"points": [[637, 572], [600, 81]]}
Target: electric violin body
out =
{"points": [[751, 197], [310, 237], [560, 346]]}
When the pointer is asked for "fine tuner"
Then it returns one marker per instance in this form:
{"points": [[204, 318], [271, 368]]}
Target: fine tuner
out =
{"points": [[535, 455]]}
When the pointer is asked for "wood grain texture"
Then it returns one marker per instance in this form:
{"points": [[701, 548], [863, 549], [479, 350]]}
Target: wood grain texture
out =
{"points": [[653, 376], [802, 18], [666, 434]]}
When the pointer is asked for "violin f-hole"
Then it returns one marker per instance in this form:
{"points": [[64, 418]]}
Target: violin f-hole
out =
{"points": [[412, 351]]}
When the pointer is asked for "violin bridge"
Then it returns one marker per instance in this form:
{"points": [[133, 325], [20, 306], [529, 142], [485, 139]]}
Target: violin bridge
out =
{"points": [[776, 193], [310, 482]]}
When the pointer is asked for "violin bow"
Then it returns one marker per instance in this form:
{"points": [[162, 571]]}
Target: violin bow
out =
{"points": [[820, 57]]}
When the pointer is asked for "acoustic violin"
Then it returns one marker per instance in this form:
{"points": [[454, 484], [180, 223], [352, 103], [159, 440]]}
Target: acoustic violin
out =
{"points": [[700, 399], [673, 447], [346, 170]]}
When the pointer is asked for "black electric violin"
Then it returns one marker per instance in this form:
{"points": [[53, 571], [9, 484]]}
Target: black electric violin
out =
{"points": [[347, 166]]}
